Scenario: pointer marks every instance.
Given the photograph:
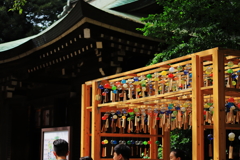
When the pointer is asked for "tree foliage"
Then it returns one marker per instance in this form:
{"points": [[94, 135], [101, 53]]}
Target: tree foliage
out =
{"points": [[189, 26], [180, 139], [17, 5], [36, 15]]}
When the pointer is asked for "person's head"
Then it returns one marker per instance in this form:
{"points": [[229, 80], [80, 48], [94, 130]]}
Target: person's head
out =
{"points": [[60, 147], [121, 152], [85, 158], [177, 154]]}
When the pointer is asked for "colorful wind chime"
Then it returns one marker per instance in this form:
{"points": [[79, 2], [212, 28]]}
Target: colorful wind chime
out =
{"points": [[138, 147], [231, 137], [210, 138], [232, 76], [140, 120], [145, 85], [104, 147], [232, 109]]}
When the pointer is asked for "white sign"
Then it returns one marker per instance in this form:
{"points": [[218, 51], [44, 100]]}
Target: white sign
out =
{"points": [[48, 138]]}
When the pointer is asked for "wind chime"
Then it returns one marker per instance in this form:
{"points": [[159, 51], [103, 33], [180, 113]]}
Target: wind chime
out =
{"points": [[208, 76], [146, 152], [130, 120], [231, 137], [137, 143], [167, 116], [137, 120], [208, 111], [105, 125], [104, 148], [113, 143], [113, 121], [230, 107], [149, 85], [210, 138], [232, 78], [131, 143]]}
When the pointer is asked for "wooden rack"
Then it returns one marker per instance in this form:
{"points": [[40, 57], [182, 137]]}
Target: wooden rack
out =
{"points": [[197, 91]]}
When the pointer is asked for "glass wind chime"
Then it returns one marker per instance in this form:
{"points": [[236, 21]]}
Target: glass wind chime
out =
{"points": [[232, 109], [146, 85], [231, 138], [232, 75], [167, 116], [139, 148]]}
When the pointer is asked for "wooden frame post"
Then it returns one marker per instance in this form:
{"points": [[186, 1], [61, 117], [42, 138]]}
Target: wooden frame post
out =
{"points": [[197, 109], [85, 122], [219, 130], [153, 146], [96, 125], [166, 144]]}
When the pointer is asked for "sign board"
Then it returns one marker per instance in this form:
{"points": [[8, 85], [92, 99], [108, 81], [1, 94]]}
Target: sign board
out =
{"points": [[48, 136]]}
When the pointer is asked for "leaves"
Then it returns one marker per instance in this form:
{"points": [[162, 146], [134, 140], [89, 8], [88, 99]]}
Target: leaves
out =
{"points": [[160, 151], [190, 26], [17, 5], [35, 16], [179, 139]]}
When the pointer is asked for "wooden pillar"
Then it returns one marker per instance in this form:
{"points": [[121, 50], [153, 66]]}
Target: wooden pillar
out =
{"points": [[96, 125], [153, 146], [197, 109], [166, 144], [85, 122], [219, 132]]}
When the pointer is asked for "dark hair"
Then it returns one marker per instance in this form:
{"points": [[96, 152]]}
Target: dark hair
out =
{"points": [[85, 158], [60, 147], [179, 153], [122, 149]]}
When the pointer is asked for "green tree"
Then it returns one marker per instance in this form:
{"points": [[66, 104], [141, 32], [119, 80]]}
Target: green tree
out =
{"points": [[17, 5], [36, 16], [189, 26], [180, 139]]}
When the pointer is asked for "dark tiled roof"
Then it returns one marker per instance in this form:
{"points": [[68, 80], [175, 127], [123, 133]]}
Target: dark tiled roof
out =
{"points": [[10, 50]]}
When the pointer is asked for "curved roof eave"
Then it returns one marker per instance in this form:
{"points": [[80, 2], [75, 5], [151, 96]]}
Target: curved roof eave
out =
{"points": [[80, 14], [10, 45]]}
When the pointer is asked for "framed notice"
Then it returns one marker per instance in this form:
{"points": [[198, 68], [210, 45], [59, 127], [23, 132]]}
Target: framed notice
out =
{"points": [[48, 136]]}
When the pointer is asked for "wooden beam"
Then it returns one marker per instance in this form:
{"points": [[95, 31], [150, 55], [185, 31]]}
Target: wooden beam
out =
{"points": [[219, 132], [150, 98], [228, 126], [132, 75], [83, 134], [166, 144], [128, 135], [233, 92], [85, 122], [96, 125], [184, 58], [153, 139], [197, 110], [231, 52], [206, 53]]}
